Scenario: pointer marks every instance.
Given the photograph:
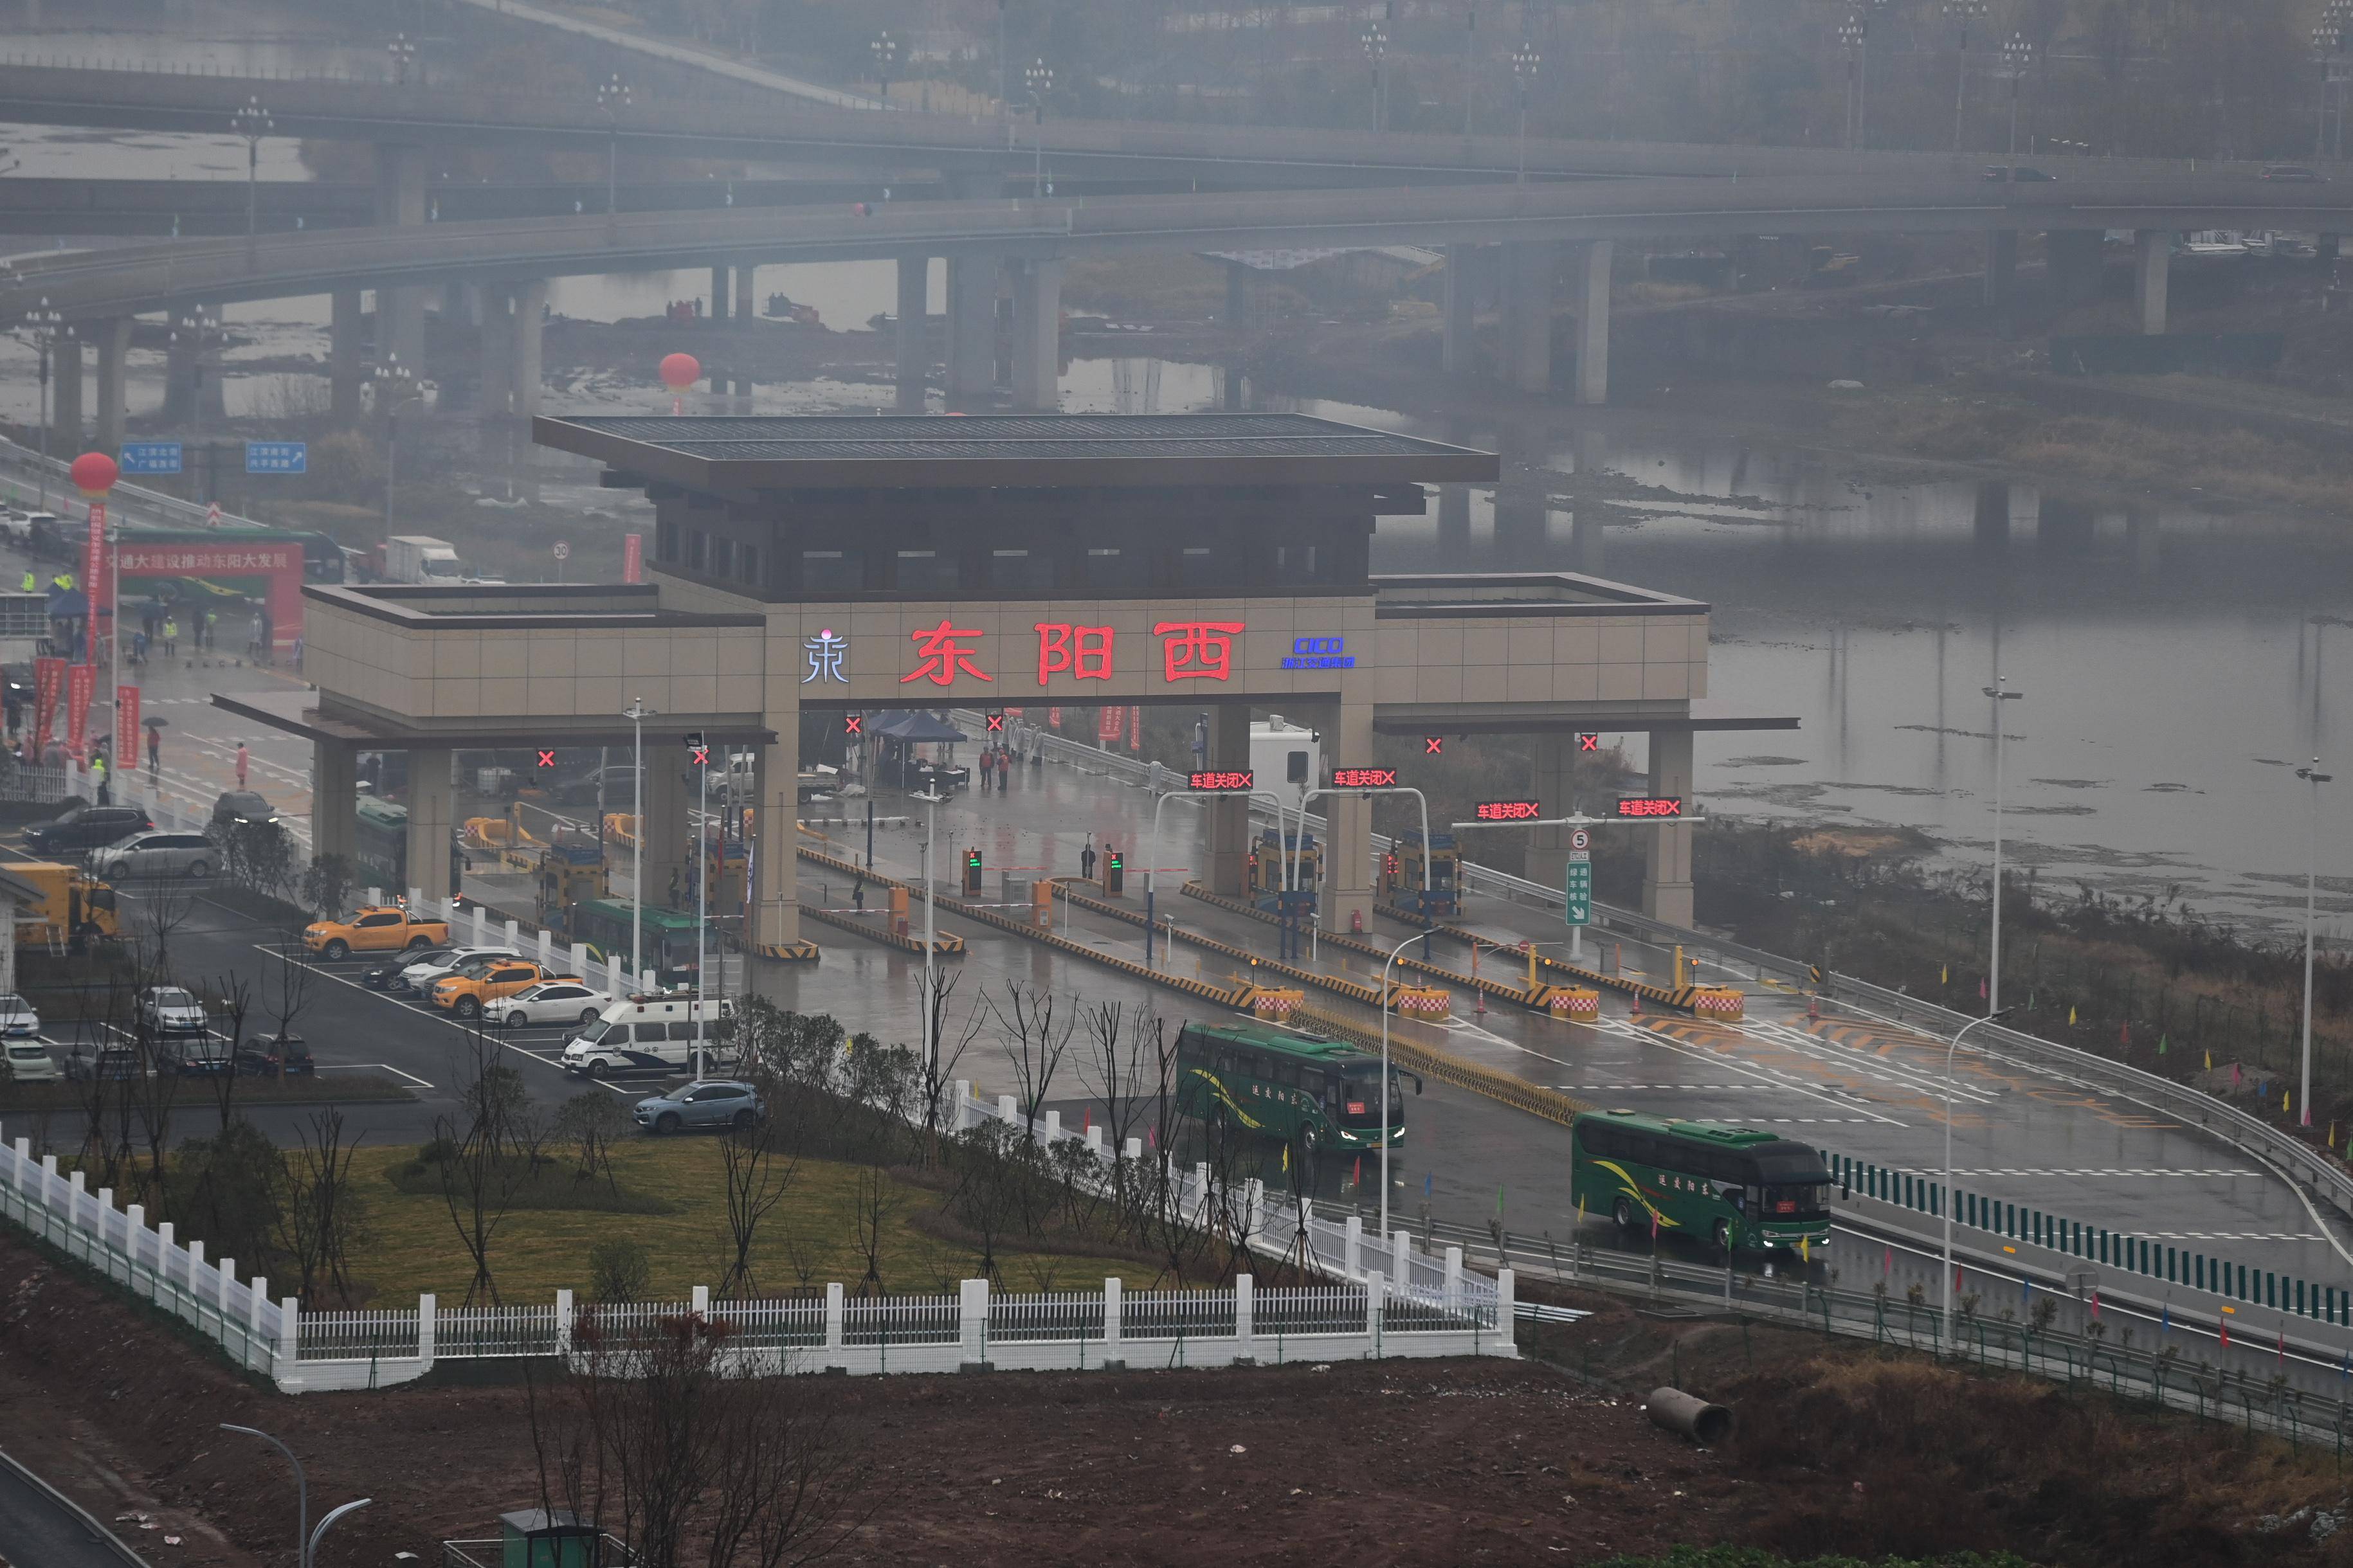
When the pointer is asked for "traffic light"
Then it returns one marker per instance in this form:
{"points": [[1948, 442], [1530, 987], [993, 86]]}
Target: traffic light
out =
{"points": [[972, 873], [1115, 872], [1391, 865]]}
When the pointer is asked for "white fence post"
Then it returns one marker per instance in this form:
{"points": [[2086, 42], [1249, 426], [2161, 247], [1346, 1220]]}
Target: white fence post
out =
{"points": [[702, 1300], [376, 896], [1453, 1279], [1375, 1286], [290, 1326], [134, 1222], [164, 1247], [226, 1269], [972, 1317], [1200, 1191], [1094, 1140], [1352, 1256], [417, 902], [514, 933], [195, 1267], [24, 1166], [1401, 1258], [1245, 1310], [1135, 1148], [1005, 1111], [1054, 1127], [98, 1229], [481, 926], [428, 1326], [835, 1323], [563, 1324], [958, 1106], [1506, 1308], [1112, 1353]]}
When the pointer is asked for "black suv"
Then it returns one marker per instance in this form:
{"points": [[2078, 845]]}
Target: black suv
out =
{"points": [[275, 1056], [87, 827]]}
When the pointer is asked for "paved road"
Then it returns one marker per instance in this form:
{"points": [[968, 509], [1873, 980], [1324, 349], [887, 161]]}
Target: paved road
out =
{"points": [[37, 1530]]}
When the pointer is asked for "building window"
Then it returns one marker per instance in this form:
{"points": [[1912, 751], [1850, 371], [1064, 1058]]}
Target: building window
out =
{"points": [[1301, 564], [927, 572], [665, 542], [747, 563], [1118, 569], [1021, 569], [1199, 565], [833, 571], [722, 557], [698, 549]]}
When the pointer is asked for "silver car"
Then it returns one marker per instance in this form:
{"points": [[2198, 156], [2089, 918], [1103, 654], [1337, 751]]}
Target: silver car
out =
{"points": [[157, 854], [17, 1019], [172, 1010]]}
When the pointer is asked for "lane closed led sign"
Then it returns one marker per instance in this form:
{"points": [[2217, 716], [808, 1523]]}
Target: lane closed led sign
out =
{"points": [[1508, 810], [1225, 782], [1363, 778], [1652, 806]]}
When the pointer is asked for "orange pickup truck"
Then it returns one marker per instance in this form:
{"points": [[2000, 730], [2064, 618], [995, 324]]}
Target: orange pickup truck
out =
{"points": [[388, 929], [488, 980]]}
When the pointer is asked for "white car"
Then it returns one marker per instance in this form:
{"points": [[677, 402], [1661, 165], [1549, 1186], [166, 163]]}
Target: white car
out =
{"points": [[172, 1010], [551, 1001], [17, 1018], [28, 1061], [419, 977]]}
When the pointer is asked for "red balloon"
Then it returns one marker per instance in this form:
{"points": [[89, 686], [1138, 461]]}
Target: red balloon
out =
{"points": [[93, 474], [679, 371]]}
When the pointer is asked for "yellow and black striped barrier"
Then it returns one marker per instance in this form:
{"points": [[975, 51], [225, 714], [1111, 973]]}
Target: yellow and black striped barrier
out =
{"points": [[1354, 990], [943, 944]]}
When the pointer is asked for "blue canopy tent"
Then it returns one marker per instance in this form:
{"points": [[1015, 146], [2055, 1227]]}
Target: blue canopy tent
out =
{"points": [[900, 731]]}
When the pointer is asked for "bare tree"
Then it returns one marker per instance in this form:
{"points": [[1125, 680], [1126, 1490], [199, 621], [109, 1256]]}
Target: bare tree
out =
{"points": [[875, 1204], [592, 1121], [1035, 1042], [320, 1215], [235, 1000], [755, 1170], [480, 1177]]}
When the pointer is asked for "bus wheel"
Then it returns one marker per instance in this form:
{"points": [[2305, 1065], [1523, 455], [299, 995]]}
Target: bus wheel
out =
{"points": [[1724, 1237], [1623, 1213]]}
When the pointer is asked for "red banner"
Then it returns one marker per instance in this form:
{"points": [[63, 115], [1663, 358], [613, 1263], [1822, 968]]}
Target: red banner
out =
{"points": [[279, 566], [1054, 718], [1109, 721], [1136, 729], [48, 688], [126, 726], [94, 576], [633, 558], [80, 680]]}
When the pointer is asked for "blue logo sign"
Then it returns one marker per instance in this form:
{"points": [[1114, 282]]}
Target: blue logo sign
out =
{"points": [[151, 456], [276, 457], [1319, 653]]}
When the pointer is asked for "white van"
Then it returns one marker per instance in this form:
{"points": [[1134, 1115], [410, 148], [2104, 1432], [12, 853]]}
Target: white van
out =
{"points": [[652, 1034]]}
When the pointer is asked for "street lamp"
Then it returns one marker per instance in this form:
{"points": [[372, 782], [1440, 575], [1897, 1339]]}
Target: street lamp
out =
{"points": [[637, 713], [1376, 44], [50, 324], [253, 122], [401, 51], [1040, 78], [2338, 19], [396, 388], [1945, 1198], [2327, 39], [2017, 58], [1853, 34], [2316, 778], [932, 799], [301, 1486], [1386, 1123], [612, 96], [194, 330], [311, 1550], [2001, 693], [1524, 61], [886, 55], [1962, 12]]}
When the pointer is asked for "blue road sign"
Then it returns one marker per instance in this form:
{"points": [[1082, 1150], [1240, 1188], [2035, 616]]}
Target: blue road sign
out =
{"points": [[151, 456], [276, 457]]}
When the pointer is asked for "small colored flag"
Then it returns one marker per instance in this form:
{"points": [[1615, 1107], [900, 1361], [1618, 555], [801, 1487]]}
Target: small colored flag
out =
{"points": [[1654, 1227], [1356, 1173], [2226, 1334], [2071, 1014], [1498, 1197], [2238, 1075], [1887, 1264], [2162, 1041], [1945, 975], [2165, 1318], [1804, 1255], [2025, 1293], [1581, 1211], [2285, 1098], [2283, 1344], [2332, 1135], [2124, 1034], [1425, 1189], [1286, 1156], [1957, 1279], [1982, 991], [1151, 1137], [2096, 1304], [2210, 1061]]}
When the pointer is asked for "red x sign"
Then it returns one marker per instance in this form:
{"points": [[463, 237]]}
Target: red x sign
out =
{"points": [[997, 724], [546, 759], [701, 758], [853, 724], [1433, 745], [1589, 742]]}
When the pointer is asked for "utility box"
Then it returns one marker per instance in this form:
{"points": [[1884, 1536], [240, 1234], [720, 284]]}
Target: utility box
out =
{"points": [[539, 1538]]}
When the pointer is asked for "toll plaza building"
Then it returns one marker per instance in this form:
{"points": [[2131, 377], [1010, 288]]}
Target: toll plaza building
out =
{"points": [[854, 564]]}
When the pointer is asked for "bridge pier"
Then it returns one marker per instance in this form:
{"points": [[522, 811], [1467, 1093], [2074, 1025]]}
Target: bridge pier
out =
{"points": [[1458, 341], [1347, 904], [972, 331], [1523, 341], [1667, 857], [429, 820], [511, 341], [720, 294], [914, 356], [400, 202], [2152, 262], [64, 366], [113, 393], [1593, 325], [335, 799], [2075, 265], [346, 325], [1038, 335], [1230, 748], [1553, 782], [192, 379], [2002, 269], [747, 289]]}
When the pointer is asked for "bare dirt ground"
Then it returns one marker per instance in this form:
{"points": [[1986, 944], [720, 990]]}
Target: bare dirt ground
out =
{"points": [[1429, 1462]]}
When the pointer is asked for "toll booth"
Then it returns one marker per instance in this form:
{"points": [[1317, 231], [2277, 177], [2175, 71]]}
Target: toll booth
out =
{"points": [[1423, 883], [724, 863], [571, 871], [1266, 871]]}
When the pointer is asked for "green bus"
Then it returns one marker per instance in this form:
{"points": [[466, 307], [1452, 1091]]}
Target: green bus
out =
{"points": [[380, 844], [670, 937], [1736, 1186], [1314, 1093]]}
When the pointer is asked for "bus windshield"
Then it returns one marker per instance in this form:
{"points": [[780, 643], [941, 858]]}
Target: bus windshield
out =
{"points": [[1359, 1097], [1808, 1201]]}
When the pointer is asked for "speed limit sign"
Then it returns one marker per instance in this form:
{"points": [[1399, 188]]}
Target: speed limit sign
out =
{"points": [[1581, 839], [563, 549]]}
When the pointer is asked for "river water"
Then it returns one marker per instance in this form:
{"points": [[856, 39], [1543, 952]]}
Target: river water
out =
{"points": [[2177, 663]]}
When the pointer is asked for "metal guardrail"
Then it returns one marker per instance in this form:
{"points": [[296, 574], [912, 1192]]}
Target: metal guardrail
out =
{"points": [[2308, 1167]]}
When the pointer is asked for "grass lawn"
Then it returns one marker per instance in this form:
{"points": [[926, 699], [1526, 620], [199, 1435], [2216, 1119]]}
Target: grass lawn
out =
{"points": [[196, 1093], [415, 1248]]}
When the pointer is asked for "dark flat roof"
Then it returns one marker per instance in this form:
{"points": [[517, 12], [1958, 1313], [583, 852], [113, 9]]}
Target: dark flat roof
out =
{"points": [[1010, 450]]}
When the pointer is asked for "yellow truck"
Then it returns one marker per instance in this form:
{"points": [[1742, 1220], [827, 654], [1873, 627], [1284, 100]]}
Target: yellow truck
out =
{"points": [[385, 929], [488, 980], [72, 901]]}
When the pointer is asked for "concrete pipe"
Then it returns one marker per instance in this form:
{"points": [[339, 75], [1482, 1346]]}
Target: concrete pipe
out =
{"points": [[1704, 1423]]}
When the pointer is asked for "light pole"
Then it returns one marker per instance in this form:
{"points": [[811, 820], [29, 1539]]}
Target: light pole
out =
{"points": [[2017, 58], [2001, 693], [1040, 78], [931, 799], [301, 1484], [1853, 32], [51, 325], [1945, 1198], [195, 331], [401, 50], [2328, 38], [1376, 44], [311, 1548], [1385, 1122], [1524, 61], [2316, 778], [1963, 12], [253, 122], [702, 744], [396, 389], [637, 713], [612, 96], [2338, 19], [1470, 62], [885, 50]]}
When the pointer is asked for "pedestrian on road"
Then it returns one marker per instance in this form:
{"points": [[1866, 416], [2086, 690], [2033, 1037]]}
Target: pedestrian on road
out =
{"points": [[139, 647], [31, 583], [858, 894], [253, 638], [211, 625], [1087, 862], [98, 776], [171, 637], [241, 760], [154, 754]]}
